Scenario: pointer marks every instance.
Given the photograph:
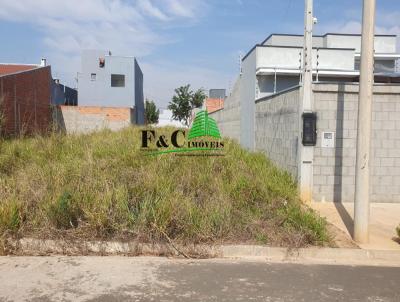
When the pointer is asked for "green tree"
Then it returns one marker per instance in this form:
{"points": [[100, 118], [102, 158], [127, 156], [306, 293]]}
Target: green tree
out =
{"points": [[184, 101], [152, 113]]}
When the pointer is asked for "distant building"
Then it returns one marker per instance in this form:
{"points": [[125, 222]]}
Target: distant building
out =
{"points": [[27, 93], [106, 80], [165, 119], [217, 94], [64, 95], [215, 100]]}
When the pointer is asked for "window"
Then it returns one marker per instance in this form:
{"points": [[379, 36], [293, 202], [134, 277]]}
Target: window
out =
{"points": [[93, 76], [117, 80], [102, 62]]}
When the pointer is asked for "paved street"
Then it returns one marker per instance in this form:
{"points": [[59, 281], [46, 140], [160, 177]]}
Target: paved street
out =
{"points": [[160, 279]]}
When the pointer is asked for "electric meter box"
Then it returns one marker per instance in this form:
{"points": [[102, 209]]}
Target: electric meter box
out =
{"points": [[328, 140], [309, 129]]}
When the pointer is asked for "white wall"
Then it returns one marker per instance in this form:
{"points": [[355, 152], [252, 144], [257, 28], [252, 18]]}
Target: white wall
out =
{"points": [[165, 119], [287, 40], [383, 44], [100, 92], [247, 98], [279, 57], [283, 57]]}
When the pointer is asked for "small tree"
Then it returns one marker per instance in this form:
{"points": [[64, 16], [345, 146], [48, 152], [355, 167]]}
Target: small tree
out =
{"points": [[152, 113], [184, 101]]}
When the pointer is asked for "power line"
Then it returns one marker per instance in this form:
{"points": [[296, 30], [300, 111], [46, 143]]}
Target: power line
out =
{"points": [[288, 7]]}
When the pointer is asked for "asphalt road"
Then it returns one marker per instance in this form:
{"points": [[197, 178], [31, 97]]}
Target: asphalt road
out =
{"points": [[159, 279]]}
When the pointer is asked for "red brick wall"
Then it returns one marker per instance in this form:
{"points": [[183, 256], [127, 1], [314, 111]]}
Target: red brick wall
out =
{"points": [[109, 113], [214, 104], [26, 99]]}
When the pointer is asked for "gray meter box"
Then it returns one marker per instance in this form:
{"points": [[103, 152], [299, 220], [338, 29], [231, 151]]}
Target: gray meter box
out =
{"points": [[328, 140]]}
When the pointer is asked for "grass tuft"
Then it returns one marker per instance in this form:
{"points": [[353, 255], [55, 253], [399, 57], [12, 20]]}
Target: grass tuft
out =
{"points": [[63, 214]]}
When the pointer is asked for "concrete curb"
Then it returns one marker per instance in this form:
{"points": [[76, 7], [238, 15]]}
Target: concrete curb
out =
{"points": [[310, 255], [313, 255]]}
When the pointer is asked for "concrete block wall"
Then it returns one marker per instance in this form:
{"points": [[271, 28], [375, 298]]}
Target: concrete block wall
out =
{"points": [[334, 168], [85, 119], [276, 128], [228, 118], [276, 121]]}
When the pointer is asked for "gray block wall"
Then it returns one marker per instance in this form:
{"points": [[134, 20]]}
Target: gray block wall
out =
{"points": [[334, 168], [276, 128], [276, 121], [228, 118], [247, 97]]}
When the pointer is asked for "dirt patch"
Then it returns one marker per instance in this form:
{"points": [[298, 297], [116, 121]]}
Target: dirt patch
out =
{"points": [[340, 238]]}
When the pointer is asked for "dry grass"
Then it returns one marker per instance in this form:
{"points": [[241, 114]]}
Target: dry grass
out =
{"points": [[102, 186]]}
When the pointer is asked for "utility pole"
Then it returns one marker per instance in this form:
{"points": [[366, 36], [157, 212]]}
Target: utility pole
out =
{"points": [[307, 55], [361, 203], [306, 105]]}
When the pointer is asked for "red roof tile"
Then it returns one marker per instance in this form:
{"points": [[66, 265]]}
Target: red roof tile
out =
{"points": [[12, 68]]}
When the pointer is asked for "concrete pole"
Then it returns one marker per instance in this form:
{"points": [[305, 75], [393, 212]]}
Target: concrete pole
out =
{"points": [[305, 173], [307, 55], [361, 203]]}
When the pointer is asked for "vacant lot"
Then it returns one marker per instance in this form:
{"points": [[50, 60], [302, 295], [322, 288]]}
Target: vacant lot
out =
{"points": [[102, 186]]}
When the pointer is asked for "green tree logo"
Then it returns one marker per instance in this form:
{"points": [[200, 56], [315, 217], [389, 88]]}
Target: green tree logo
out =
{"points": [[203, 125]]}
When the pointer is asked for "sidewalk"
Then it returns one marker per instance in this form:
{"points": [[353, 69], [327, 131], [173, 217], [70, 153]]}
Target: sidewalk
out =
{"points": [[384, 219]]}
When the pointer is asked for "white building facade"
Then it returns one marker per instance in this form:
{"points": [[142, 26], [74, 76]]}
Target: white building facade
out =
{"points": [[336, 57]]}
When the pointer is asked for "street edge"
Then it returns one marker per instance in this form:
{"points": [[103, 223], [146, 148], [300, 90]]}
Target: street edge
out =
{"points": [[310, 255]]}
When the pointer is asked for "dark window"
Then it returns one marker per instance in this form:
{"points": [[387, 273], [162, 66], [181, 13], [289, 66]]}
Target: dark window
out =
{"points": [[117, 80], [102, 62], [93, 76]]}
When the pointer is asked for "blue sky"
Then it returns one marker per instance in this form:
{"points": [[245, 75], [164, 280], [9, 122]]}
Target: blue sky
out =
{"points": [[176, 41]]}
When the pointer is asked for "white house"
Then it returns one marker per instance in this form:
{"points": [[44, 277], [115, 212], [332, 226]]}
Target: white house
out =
{"points": [[277, 61], [111, 81]]}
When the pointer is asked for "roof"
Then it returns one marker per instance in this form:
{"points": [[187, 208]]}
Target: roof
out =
{"points": [[13, 68], [298, 47], [321, 36], [297, 35]]}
